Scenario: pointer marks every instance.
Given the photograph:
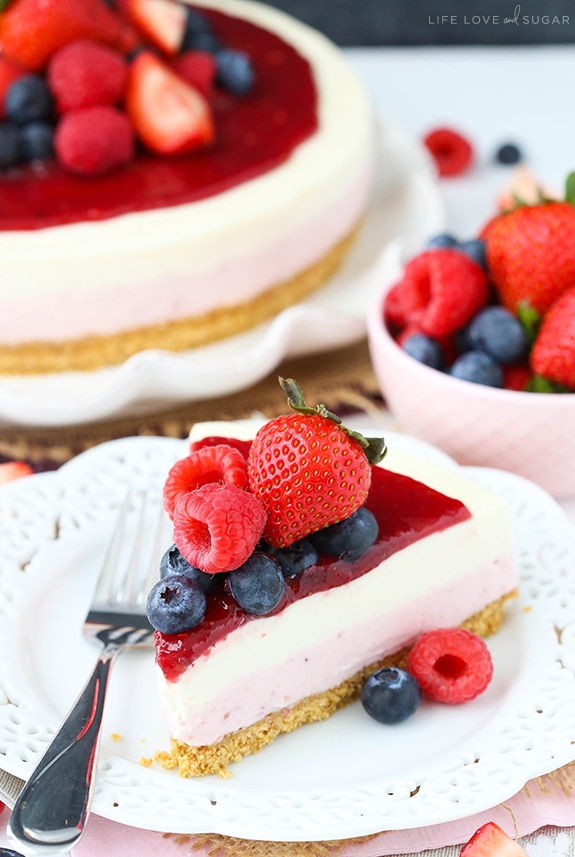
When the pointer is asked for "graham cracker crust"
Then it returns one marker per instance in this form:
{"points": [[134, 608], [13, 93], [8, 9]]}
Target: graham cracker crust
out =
{"points": [[215, 758], [94, 352]]}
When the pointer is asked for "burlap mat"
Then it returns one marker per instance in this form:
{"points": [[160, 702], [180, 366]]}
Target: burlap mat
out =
{"points": [[342, 379]]}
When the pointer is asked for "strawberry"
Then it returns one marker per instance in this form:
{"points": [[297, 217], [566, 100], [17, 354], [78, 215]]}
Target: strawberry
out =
{"points": [[217, 527], [553, 355], [220, 463], [11, 470], [169, 116], [86, 73], [9, 72], [440, 292], [490, 840], [307, 470], [451, 151], [31, 31], [531, 254], [162, 23], [198, 68], [94, 141], [452, 665]]}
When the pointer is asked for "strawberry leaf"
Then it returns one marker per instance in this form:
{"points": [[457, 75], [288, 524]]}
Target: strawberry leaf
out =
{"points": [[570, 188], [374, 448], [530, 319], [4, 4], [539, 384]]}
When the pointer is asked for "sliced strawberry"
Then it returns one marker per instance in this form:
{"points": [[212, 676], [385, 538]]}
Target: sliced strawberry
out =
{"points": [[161, 22], [31, 31], [11, 470], [198, 68], [9, 72], [168, 116], [490, 840]]}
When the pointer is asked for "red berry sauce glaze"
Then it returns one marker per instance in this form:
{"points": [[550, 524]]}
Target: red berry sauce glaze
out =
{"points": [[406, 511], [255, 133]]}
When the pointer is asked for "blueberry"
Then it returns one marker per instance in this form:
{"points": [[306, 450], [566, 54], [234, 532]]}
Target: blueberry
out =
{"points": [[500, 334], [10, 146], [476, 249], [202, 41], [173, 562], [424, 349], [390, 695], [175, 604], [479, 368], [234, 71], [258, 585], [350, 538], [196, 23], [8, 852], [37, 141], [29, 99], [295, 558], [508, 153], [444, 239]]}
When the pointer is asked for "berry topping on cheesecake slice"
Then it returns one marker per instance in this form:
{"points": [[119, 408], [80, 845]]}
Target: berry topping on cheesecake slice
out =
{"points": [[312, 574]]}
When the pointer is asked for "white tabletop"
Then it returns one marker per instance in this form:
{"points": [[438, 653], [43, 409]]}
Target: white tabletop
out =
{"points": [[492, 95]]}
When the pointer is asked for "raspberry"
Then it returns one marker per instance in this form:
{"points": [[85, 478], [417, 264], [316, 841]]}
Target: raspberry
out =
{"points": [[440, 292], [221, 463], [516, 377], [217, 527], [451, 152], [452, 665], [93, 141], [85, 74]]}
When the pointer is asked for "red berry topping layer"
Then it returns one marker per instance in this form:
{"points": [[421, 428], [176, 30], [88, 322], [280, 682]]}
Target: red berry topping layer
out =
{"points": [[254, 133], [406, 511]]}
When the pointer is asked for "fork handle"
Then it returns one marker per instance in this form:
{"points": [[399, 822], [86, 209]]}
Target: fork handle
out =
{"points": [[50, 813]]}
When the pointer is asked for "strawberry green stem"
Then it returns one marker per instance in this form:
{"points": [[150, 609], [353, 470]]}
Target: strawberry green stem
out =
{"points": [[374, 447]]}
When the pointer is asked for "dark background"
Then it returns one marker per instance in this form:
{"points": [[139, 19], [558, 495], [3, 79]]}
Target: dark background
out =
{"points": [[406, 22]]}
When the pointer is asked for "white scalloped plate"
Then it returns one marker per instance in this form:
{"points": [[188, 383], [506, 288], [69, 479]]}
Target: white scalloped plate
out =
{"points": [[343, 778], [406, 202]]}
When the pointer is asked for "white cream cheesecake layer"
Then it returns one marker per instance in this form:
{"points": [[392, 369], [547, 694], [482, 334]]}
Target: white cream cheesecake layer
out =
{"points": [[264, 230], [316, 643]]}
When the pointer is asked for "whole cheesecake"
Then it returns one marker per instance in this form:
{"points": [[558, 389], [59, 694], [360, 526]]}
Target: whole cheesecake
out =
{"points": [[443, 557], [180, 251]]}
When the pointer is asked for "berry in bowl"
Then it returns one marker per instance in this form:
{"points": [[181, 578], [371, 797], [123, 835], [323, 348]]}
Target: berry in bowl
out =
{"points": [[473, 343]]}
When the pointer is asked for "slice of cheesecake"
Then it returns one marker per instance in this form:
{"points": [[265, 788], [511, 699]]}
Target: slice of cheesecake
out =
{"points": [[443, 557]]}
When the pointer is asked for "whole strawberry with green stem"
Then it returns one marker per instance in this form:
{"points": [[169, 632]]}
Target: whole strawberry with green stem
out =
{"points": [[308, 470], [553, 354], [531, 252]]}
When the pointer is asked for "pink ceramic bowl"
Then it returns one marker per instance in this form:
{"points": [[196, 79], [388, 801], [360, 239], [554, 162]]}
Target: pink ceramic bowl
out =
{"points": [[531, 434]]}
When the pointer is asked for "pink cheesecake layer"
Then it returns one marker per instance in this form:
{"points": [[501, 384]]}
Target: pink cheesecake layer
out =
{"points": [[82, 312], [332, 660]]}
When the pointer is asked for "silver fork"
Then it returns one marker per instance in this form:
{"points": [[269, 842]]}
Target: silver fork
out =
{"points": [[51, 811]]}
